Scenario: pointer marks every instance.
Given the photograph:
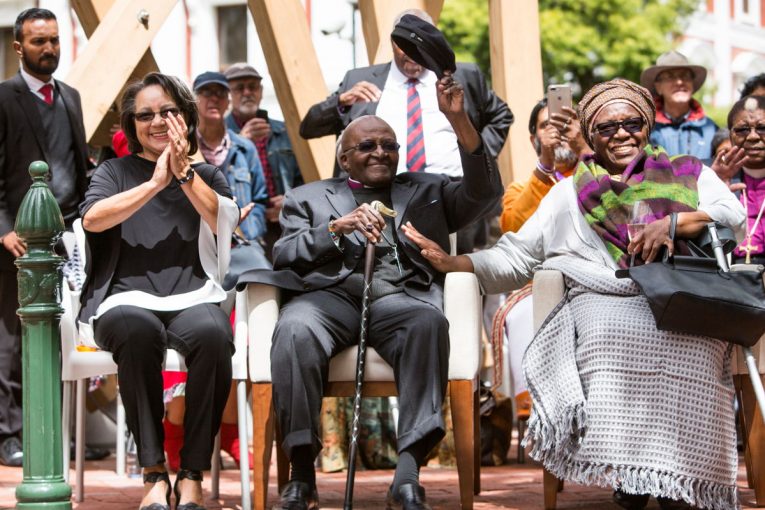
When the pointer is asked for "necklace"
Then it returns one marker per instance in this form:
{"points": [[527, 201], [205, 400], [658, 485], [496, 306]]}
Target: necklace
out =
{"points": [[748, 248]]}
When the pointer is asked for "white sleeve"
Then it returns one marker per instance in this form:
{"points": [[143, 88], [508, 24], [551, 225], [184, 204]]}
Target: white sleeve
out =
{"points": [[720, 203]]}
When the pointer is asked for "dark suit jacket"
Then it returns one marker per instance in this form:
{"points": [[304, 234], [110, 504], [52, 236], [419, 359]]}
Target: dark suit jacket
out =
{"points": [[305, 257], [23, 140], [489, 114]]}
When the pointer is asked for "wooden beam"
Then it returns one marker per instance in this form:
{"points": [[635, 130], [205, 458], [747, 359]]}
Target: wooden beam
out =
{"points": [[377, 18], [90, 14], [294, 68], [516, 73]]}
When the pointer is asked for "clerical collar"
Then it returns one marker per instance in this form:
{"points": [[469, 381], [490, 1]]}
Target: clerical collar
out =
{"points": [[354, 184]]}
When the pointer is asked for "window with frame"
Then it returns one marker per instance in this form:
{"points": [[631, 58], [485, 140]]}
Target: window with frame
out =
{"points": [[747, 11], [232, 34]]}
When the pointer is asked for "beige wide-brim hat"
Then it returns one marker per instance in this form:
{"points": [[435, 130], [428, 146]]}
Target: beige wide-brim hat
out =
{"points": [[672, 60]]}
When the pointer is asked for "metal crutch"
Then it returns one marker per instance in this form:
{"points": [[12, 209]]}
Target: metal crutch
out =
{"points": [[751, 363], [369, 262]]}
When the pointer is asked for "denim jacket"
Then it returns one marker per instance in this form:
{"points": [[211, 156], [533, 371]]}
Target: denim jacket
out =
{"points": [[284, 167], [245, 177], [692, 136]]}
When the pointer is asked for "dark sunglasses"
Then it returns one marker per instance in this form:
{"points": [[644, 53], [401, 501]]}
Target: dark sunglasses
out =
{"points": [[609, 129], [745, 130], [368, 146], [149, 116]]}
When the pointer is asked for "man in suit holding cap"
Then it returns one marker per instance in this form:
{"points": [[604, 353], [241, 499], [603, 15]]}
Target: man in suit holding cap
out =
{"points": [[247, 119], [681, 127]]}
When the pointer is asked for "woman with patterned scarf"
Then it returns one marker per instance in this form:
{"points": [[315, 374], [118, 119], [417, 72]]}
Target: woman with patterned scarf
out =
{"points": [[618, 403]]}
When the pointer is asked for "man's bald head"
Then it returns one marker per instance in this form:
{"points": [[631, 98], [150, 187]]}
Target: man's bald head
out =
{"points": [[375, 167]]}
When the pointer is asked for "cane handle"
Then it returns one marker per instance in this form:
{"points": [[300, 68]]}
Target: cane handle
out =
{"points": [[382, 209]]}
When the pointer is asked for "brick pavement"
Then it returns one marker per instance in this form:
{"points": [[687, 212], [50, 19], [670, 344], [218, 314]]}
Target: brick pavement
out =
{"points": [[513, 486]]}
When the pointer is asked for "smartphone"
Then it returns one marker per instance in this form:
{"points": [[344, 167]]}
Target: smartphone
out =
{"points": [[558, 96], [262, 114]]}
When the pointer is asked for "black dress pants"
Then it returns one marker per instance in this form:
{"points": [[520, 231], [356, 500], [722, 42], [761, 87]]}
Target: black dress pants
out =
{"points": [[412, 336], [137, 339], [10, 356]]}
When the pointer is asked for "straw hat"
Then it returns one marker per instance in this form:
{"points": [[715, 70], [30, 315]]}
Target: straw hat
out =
{"points": [[672, 60]]}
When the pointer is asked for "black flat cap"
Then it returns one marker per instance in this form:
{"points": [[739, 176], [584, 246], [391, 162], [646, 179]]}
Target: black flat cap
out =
{"points": [[425, 44]]}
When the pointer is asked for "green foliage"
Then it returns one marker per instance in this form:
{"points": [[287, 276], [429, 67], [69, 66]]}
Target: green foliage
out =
{"points": [[583, 41]]}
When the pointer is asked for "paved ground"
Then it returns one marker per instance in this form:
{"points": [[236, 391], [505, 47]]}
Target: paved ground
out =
{"points": [[512, 486]]}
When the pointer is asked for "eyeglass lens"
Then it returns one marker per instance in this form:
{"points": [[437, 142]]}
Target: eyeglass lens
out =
{"points": [[149, 116], [745, 130], [371, 146]]}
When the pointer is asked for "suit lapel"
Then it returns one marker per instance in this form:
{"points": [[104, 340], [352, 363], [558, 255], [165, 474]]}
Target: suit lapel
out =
{"points": [[28, 106], [341, 199], [378, 76], [78, 132], [401, 195]]}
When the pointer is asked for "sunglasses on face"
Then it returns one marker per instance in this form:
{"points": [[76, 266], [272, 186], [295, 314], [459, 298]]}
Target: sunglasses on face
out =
{"points": [[220, 93], [149, 116], [744, 131], [609, 129], [675, 76], [368, 146]]}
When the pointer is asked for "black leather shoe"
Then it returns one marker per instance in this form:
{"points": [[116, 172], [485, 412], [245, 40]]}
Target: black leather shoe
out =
{"points": [[191, 475], [673, 504], [11, 453], [630, 501], [90, 453], [154, 477], [298, 496], [409, 496]]}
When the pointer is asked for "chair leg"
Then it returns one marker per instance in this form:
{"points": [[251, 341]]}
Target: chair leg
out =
{"points": [[121, 459], [550, 485], [244, 456], [521, 457], [79, 456], [461, 400], [476, 443], [66, 426], [754, 439], [262, 441], [742, 420], [282, 462], [215, 471]]}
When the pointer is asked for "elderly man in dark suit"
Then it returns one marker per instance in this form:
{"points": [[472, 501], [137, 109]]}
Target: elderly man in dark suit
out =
{"points": [[317, 260], [40, 119]]}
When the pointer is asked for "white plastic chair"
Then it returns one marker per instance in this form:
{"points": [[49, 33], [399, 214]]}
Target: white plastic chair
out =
{"points": [[462, 307], [78, 365]]}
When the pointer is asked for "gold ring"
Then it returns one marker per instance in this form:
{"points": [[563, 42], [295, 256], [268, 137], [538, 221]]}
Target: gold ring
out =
{"points": [[723, 158]]}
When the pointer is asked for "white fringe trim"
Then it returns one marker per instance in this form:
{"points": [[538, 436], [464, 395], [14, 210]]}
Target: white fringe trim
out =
{"points": [[555, 445]]}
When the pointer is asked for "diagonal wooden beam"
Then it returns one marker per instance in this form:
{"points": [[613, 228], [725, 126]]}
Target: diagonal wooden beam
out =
{"points": [[516, 73], [377, 18], [294, 68], [106, 49]]}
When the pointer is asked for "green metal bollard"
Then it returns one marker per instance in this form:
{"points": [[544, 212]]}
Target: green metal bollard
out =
{"points": [[39, 223]]}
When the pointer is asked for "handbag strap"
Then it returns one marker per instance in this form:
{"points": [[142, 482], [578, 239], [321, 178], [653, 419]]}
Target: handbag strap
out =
{"points": [[672, 230]]}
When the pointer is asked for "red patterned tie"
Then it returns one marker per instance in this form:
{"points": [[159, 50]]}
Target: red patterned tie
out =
{"points": [[415, 141], [47, 92]]}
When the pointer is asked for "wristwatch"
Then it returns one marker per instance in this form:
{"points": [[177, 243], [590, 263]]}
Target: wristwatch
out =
{"points": [[186, 178]]}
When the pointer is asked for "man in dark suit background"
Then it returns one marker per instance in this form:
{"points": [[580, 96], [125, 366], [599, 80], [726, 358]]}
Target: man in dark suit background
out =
{"points": [[318, 262], [40, 119]]}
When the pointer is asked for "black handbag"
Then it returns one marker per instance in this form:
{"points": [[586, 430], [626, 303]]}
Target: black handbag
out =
{"points": [[691, 294]]}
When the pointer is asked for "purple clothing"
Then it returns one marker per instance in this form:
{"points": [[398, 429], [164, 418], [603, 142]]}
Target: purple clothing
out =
{"points": [[755, 195], [215, 156]]}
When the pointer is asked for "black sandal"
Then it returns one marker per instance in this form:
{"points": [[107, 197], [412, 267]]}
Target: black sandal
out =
{"points": [[190, 475], [154, 477]]}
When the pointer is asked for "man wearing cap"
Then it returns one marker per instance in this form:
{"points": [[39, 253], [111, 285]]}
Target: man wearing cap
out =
{"points": [[40, 119], [388, 91], [247, 119], [237, 158], [682, 127]]}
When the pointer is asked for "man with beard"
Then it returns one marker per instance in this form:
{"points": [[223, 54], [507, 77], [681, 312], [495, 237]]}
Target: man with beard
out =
{"points": [[248, 120], [40, 119]]}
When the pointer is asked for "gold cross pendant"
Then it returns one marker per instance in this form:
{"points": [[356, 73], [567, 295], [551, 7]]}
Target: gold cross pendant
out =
{"points": [[748, 248]]}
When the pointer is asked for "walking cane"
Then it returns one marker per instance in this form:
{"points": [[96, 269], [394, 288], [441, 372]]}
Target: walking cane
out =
{"points": [[751, 363], [369, 263]]}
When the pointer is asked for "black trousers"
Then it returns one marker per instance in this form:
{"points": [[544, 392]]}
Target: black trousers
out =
{"points": [[412, 336], [10, 356], [137, 338]]}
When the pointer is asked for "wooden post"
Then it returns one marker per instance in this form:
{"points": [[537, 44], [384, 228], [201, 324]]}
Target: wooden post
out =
{"points": [[377, 22], [127, 20], [294, 67], [516, 72]]}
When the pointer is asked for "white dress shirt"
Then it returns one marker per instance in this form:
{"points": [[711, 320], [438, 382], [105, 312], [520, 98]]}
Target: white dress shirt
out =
{"points": [[35, 84], [441, 151]]}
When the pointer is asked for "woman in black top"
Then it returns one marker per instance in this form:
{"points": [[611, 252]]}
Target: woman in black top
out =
{"points": [[153, 222]]}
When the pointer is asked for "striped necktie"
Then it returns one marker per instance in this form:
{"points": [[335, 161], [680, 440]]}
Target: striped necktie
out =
{"points": [[415, 141]]}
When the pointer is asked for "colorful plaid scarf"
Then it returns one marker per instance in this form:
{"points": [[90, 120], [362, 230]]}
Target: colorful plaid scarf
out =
{"points": [[666, 184]]}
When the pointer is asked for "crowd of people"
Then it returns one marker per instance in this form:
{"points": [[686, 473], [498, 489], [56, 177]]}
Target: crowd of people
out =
{"points": [[206, 192]]}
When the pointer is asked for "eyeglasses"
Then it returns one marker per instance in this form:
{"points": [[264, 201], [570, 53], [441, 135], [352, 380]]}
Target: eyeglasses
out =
{"points": [[680, 74], [368, 146], [149, 116], [241, 87], [209, 92], [609, 129], [744, 131]]}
